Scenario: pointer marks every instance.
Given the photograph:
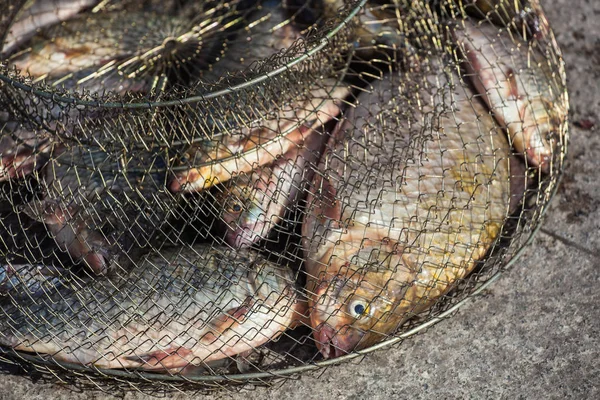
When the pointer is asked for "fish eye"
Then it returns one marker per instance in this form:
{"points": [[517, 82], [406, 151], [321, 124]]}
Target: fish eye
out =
{"points": [[235, 208], [359, 309]]}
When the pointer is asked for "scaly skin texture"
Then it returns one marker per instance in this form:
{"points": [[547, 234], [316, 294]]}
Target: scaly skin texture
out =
{"points": [[265, 32], [520, 85], [22, 150], [39, 14], [97, 205], [525, 15], [23, 280], [218, 160], [411, 191], [176, 308], [119, 51], [253, 204]]}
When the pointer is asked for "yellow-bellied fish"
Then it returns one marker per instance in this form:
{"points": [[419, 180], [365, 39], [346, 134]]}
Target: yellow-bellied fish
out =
{"points": [[411, 192]]}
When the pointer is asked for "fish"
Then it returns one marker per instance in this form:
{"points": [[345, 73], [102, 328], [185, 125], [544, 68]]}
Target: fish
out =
{"points": [[258, 36], [23, 149], [36, 15], [255, 137], [521, 86], [178, 307], [98, 205], [119, 51], [411, 192], [243, 149], [376, 30], [34, 280], [525, 15], [252, 204]]}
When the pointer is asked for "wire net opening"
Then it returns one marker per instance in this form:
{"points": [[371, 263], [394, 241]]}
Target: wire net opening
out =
{"points": [[220, 194]]}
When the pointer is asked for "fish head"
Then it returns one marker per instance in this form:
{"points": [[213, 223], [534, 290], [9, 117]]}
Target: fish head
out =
{"points": [[543, 122], [72, 232], [243, 213], [358, 306]]}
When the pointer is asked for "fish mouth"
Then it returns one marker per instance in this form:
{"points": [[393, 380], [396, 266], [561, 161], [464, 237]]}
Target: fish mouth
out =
{"points": [[330, 343], [541, 160]]}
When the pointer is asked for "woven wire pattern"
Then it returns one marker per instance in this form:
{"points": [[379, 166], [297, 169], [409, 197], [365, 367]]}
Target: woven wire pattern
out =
{"points": [[223, 194]]}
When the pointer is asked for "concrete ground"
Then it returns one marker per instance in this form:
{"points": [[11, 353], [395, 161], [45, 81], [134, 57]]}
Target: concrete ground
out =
{"points": [[535, 334]]}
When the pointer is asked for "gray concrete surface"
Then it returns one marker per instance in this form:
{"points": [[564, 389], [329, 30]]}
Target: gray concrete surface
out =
{"points": [[536, 332]]}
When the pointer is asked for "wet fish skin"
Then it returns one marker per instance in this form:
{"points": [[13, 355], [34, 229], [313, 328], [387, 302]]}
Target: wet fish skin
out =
{"points": [[174, 309], [23, 150], [516, 80], [39, 14], [526, 15], [377, 26], [267, 31], [406, 199], [218, 160], [252, 204], [19, 280], [98, 204], [95, 41]]}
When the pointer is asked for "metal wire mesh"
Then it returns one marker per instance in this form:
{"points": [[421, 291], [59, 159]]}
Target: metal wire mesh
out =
{"points": [[223, 194]]}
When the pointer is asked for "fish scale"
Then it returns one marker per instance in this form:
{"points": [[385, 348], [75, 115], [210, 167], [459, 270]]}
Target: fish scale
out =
{"points": [[428, 207], [169, 302], [96, 203]]}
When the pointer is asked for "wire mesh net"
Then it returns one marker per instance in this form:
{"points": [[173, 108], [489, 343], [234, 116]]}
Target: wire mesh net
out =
{"points": [[216, 194]]}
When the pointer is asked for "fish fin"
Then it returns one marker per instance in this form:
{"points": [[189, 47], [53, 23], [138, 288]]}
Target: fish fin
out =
{"points": [[193, 180], [331, 209], [18, 165], [97, 262], [172, 357], [46, 211], [224, 322], [513, 92]]}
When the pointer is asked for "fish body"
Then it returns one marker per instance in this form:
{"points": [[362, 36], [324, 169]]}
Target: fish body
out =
{"points": [[23, 150], [411, 191], [97, 204], [219, 159], [525, 15], [266, 32], [174, 309], [18, 280], [119, 51], [36, 15], [517, 82], [252, 204], [377, 28], [379, 31]]}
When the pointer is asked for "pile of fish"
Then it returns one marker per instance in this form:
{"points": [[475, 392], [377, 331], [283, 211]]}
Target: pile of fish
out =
{"points": [[153, 240]]}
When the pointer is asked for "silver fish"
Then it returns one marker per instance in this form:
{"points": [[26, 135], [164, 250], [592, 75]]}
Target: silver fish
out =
{"points": [[411, 192], [19, 280], [178, 308], [39, 14], [253, 145], [128, 50], [266, 32], [253, 204], [521, 87]]}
